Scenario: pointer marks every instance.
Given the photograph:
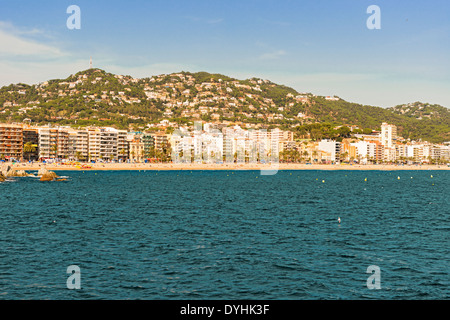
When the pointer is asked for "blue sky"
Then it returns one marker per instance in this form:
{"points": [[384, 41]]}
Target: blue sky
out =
{"points": [[323, 47]]}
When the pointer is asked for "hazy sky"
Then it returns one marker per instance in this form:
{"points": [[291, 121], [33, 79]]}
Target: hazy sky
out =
{"points": [[322, 47]]}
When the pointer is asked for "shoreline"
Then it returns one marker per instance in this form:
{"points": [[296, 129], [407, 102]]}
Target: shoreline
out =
{"points": [[191, 166]]}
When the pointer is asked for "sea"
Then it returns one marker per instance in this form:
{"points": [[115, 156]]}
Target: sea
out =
{"points": [[226, 235]]}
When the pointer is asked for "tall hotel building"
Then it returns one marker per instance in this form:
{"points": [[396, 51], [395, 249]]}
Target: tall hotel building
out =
{"points": [[388, 135], [104, 143], [78, 144], [31, 135], [53, 143], [11, 141]]}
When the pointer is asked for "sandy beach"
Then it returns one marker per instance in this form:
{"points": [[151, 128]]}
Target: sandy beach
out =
{"points": [[192, 166]]}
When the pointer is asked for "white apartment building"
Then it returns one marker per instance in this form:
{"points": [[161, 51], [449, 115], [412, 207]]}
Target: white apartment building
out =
{"points": [[388, 135], [333, 147], [78, 146], [103, 143], [53, 143]]}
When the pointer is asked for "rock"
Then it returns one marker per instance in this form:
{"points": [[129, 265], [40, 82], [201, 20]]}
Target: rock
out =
{"points": [[8, 171], [48, 176], [2, 177], [42, 171], [5, 169], [16, 173]]}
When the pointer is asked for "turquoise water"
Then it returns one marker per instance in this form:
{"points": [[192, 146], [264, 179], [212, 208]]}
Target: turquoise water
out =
{"points": [[226, 235]]}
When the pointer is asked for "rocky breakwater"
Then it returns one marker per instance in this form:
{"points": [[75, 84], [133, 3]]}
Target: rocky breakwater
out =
{"points": [[6, 171]]}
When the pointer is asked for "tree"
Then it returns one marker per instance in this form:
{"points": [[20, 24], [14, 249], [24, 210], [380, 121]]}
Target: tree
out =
{"points": [[54, 150], [305, 154], [122, 152], [29, 148]]}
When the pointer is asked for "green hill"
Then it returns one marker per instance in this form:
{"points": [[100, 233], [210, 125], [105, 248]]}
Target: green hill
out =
{"points": [[96, 97]]}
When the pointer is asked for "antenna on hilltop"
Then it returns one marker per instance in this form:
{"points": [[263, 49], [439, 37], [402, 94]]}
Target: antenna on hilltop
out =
{"points": [[90, 63]]}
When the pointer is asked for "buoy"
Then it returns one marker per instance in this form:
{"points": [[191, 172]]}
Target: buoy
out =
{"points": [[398, 178], [323, 181], [365, 179], [432, 176]]}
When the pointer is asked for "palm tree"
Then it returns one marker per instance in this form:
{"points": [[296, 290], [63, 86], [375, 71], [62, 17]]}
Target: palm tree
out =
{"points": [[305, 154], [54, 150], [314, 154], [29, 148], [122, 152], [344, 156]]}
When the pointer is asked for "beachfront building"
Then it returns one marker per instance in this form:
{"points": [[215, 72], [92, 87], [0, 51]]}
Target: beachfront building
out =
{"points": [[348, 150], [182, 143], [53, 143], [161, 141], [234, 144], [123, 151], [78, 144], [47, 143], [401, 151], [388, 138], [253, 145], [388, 135], [375, 152], [136, 145], [210, 145], [31, 136], [445, 152], [11, 142], [149, 144], [103, 144], [62, 141], [368, 151], [333, 147]]}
